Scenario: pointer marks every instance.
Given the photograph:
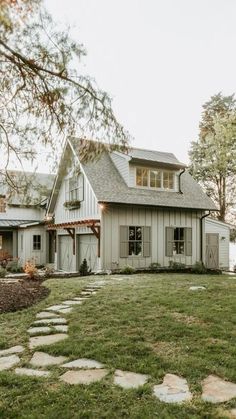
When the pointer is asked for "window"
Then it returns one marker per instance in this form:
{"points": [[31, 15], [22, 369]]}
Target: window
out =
{"points": [[168, 180], [178, 241], [2, 204], [135, 241], [75, 188], [153, 178], [36, 242], [0, 242], [141, 177]]}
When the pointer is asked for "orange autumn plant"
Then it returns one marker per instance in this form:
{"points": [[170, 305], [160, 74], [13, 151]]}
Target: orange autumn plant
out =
{"points": [[30, 269]]}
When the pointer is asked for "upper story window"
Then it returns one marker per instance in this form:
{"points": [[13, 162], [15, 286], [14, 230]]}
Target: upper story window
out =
{"points": [[75, 188], [2, 204], [154, 178]]}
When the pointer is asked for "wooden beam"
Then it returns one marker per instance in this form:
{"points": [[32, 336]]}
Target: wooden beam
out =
{"points": [[71, 232], [97, 232]]}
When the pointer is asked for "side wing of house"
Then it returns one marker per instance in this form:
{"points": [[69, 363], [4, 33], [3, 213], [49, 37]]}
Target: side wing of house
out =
{"points": [[217, 240], [76, 220]]}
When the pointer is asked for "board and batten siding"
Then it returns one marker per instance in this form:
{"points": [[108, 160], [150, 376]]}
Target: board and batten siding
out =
{"points": [[22, 213], [25, 245], [88, 209], [215, 226], [114, 217]]}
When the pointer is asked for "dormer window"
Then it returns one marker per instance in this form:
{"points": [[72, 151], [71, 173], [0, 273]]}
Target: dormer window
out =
{"points": [[75, 188], [155, 178]]}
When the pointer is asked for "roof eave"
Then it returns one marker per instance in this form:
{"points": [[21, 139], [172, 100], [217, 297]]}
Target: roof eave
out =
{"points": [[145, 162]]}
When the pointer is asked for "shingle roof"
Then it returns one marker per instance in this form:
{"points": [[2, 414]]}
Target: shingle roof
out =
{"points": [[154, 156], [109, 186]]}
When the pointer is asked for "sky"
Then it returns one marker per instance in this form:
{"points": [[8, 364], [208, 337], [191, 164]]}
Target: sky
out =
{"points": [[160, 60]]}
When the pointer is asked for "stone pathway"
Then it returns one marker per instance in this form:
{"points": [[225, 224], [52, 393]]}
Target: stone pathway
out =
{"points": [[44, 331]]}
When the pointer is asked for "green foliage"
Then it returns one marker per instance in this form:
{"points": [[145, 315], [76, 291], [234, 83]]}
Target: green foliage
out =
{"points": [[233, 235], [3, 272], [128, 270], [84, 269], [154, 266], [199, 268], [13, 266], [176, 266], [213, 155], [41, 75]]}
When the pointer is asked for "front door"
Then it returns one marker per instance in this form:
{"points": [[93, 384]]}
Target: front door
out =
{"points": [[212, 250]]}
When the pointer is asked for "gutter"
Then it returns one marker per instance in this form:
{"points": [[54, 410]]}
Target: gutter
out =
{"points": [[181, 173], [201, 234]]}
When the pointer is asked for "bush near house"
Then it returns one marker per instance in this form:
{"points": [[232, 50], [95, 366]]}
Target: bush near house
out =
{"points": [[84, 269], [3, 272], [13, 266], [31, 270]]}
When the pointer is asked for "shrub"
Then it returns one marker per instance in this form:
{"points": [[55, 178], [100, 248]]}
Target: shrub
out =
{"points": [[48, 272], [13, 266], [84, 269], [176, 266], [154, 266], [128, 270], [199, 268], [3, 272], [31, 270]]}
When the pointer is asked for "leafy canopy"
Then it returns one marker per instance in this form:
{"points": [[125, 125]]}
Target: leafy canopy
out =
{"points": [[44, 95]]}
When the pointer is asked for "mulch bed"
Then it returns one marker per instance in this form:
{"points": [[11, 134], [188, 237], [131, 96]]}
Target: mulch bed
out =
{"points": [[22, 294]]}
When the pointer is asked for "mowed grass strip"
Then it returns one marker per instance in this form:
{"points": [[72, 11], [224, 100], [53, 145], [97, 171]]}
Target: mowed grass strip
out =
{"points": [[151, 324]]}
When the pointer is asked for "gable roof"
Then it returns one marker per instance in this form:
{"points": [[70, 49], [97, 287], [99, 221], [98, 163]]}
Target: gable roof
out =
{"points": [[109, 186], [36, 188]]}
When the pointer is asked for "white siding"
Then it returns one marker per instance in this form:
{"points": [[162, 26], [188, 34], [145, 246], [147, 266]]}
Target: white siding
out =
{"points": [[25, 245], [157, 219], [17, 213], [89, 207], [214, 226], [122, 165]]}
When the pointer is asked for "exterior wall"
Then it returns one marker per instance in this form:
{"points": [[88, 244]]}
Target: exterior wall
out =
{"points": [[122, 165], [214, 226], [89, 207], [157, 219], [25, 245]]}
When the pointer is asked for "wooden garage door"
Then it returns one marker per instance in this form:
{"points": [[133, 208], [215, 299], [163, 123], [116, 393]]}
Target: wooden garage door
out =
{"points": [[212, 250], [65, 250], [87, 249]]}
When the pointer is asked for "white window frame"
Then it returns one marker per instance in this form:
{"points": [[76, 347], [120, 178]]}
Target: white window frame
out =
{"points": [[79, 179], [162, 178]]}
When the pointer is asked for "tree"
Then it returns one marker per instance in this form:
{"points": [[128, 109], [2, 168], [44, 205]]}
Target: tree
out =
{"points": [[213, 155], [44, 95]]}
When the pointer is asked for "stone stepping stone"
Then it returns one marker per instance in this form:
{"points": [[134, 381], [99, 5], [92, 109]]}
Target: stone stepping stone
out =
{"points": [[197, 288], [12, 350], [61, 328], [41, 359], [45, 315], [85, 293], [65, 310], [83, 363], [7, 362], [73, 302], [31, 373], [174, 389], [58, 320], [216, 390], [126, 379], [56, 307], [46, 340], [38, 330], [83, 376]]}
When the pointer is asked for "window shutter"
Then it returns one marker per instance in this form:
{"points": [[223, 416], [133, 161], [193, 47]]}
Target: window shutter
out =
{"points": [[188, 241], [169, 241], [146, 241], [124, 250]]}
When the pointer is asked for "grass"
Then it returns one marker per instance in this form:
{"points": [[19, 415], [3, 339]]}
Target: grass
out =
{"points": [[150, 324]]}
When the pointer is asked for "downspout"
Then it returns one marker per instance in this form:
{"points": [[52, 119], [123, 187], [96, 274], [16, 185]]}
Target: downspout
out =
{"points": [[180, 191], [201, 235]]}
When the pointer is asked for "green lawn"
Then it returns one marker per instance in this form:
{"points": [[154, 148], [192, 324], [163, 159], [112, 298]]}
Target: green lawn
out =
{"points": [[150, 324]]}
